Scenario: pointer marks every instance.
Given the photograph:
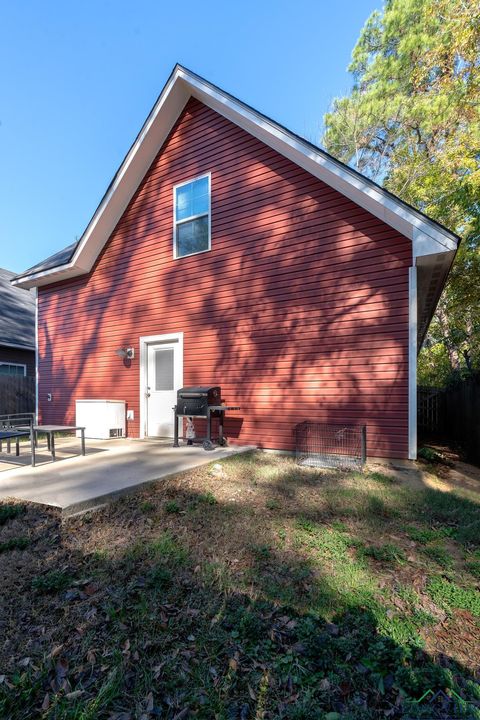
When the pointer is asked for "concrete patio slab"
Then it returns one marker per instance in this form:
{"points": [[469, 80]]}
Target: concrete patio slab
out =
{"points": [[109, 469]]}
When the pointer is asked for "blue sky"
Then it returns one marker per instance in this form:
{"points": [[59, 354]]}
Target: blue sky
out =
{"points": [[77, 80]]}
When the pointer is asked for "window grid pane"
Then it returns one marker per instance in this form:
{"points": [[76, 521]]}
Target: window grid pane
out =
{"points": [[192, 236], [10, 369], [192, 217], [192, 199]]}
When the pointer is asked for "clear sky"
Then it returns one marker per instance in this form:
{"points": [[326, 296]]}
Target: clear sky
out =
{"points": [[77, 80]]}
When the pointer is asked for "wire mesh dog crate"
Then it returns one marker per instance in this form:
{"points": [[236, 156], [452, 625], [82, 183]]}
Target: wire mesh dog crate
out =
{"points": [[331, 446]]}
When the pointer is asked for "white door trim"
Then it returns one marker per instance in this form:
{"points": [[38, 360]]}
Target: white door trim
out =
{"points": [[145, 341]]}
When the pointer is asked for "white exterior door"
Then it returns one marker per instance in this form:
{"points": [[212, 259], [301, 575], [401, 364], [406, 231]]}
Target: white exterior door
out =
{"points": [[163, 381]]}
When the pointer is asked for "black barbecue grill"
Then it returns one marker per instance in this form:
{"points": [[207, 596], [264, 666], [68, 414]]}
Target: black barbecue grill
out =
{"points": [[201, 402]]}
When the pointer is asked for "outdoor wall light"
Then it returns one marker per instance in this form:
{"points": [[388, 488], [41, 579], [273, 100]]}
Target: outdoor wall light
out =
{"points": [[126, 353]]}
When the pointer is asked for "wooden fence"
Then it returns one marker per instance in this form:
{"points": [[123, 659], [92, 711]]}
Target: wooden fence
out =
{"points": [[431, 411], [452, 415], [17, 394]]}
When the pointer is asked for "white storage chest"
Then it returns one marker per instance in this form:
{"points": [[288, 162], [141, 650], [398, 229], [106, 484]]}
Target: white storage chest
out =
{"points": [[101, 418]]}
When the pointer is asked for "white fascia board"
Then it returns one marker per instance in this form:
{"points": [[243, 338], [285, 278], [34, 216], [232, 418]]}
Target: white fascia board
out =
{"points": [[52, 275], [126, 182], [131, 174], [183, 84], [334, 174], [425, 244]]}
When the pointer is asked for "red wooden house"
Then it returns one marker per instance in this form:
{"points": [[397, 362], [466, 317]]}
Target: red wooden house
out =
{"points": [[229, 251]]}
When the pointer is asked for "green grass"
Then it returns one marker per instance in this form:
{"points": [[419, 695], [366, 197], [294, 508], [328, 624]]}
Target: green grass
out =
{"points": [[430, 455], [166, 547], [449, 595], [19, 543], [424, 535], [208, 498], [172, 507], [388, 553], [147, 506], [472, 565], [440, 555], [261, 552], [303, 599], [456, 516], [272, 504], [53, 581], [8, 512], [381, 478]]}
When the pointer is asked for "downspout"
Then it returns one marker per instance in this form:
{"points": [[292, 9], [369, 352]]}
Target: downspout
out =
{"points": [[412, 361]]}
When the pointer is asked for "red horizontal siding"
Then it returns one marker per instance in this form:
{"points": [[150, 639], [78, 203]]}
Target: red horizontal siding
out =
{"points": [[300, 310]]}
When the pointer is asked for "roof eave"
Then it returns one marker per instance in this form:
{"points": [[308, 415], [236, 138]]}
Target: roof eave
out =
{"points": [[52, 275], [180, 86], [17, 346]]}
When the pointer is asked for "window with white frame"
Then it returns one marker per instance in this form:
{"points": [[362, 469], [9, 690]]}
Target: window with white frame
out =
{"points": [[191, 217], [12, 369]]}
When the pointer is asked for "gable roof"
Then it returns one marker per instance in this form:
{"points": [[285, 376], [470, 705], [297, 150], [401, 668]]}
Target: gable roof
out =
{"points": [[17, 314], [428, 237]]}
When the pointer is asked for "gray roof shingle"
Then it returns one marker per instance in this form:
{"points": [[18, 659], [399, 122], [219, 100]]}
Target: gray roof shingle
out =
{"points": [[59, 258], [17, 314]]}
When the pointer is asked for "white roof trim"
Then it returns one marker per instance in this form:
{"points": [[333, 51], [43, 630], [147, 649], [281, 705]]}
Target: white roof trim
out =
{"points": [[428, 236]]}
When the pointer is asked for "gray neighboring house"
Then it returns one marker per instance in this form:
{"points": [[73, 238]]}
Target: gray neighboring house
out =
{"points": [[17, 328]]}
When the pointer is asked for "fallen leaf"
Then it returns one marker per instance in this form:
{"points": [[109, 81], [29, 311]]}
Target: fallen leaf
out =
{"points": [[74, 694], [182, 714], [46, 702], [61, 668], [90, 589], [149, 702], [157, 670]]}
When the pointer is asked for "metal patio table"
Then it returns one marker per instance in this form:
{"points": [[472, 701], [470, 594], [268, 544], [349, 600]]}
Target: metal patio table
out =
{"points": [[14, 427], [15, 435], [50, 430]]}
